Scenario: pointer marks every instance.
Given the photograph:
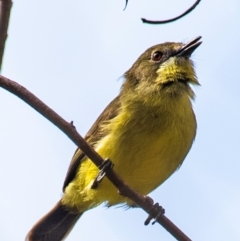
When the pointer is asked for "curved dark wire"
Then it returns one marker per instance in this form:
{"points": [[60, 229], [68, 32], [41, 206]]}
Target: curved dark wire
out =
{"points": [[172, 19]]}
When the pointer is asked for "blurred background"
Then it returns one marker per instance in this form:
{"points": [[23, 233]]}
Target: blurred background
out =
{"points": [[72, 54]]}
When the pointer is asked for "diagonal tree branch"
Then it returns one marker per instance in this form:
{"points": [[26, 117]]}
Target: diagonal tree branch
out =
{"points": [[5, 8], [144, 202]]}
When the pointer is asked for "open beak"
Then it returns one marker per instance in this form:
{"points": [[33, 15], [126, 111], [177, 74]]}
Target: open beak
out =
{"points": [[187, 49]]}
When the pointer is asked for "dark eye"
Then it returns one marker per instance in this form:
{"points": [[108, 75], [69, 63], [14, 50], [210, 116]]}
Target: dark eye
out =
{"points": [[156, 56]]}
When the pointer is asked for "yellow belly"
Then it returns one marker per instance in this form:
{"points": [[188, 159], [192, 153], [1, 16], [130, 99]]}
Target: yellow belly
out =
{"points": [[145, 153]]}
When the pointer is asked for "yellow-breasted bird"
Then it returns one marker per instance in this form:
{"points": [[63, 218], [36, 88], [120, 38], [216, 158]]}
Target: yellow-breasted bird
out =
{"points": [[146, 131]]}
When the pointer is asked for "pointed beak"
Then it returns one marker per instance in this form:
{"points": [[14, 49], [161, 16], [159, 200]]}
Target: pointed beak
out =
{"points": [[187, 49]]}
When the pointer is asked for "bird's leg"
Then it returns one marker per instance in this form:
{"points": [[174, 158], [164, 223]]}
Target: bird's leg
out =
{"points": [[156, 208], [104, 167]]}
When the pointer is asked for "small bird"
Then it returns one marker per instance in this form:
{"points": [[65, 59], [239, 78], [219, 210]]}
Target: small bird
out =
{"points": [[146, 131]]}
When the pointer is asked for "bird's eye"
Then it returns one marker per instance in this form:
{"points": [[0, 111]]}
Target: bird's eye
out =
{"points": [[156, 56]]}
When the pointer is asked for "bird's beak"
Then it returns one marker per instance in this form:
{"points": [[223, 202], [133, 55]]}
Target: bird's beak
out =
{"points": [[187, 49]]}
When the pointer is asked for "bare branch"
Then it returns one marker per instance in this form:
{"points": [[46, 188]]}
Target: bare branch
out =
{"points": [[5, 8], [71, 132], [172, 19], [125, 5]]}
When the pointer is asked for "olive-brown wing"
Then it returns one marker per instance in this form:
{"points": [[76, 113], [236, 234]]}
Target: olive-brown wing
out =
{"points": [[93, 135]]}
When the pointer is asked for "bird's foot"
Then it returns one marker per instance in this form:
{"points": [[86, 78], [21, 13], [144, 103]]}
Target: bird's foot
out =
{"points": [[104, 167], [155, 208]]}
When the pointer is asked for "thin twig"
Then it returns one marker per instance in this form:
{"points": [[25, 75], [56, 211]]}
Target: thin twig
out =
{"points": [[5, 8], [71, 132], [172, 19], [125, 5]]}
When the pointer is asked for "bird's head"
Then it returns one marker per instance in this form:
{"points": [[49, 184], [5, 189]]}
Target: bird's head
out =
{"points": [[164, 68]]}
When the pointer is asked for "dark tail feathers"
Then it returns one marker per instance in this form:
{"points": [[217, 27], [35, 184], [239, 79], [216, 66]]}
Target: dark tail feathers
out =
{"points": [[54, 226]]}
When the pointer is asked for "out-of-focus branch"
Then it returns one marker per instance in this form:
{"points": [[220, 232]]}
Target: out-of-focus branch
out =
{"points": [[172, 19], [5, 8], [126, 3], [68, 128]]}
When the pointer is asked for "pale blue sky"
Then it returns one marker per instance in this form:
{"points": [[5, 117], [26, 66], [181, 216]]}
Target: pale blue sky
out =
{"points": [[71, 55]]}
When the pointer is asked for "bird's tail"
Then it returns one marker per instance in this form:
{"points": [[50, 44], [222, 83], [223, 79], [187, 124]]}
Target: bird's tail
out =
{"points": [[54, 226]]}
